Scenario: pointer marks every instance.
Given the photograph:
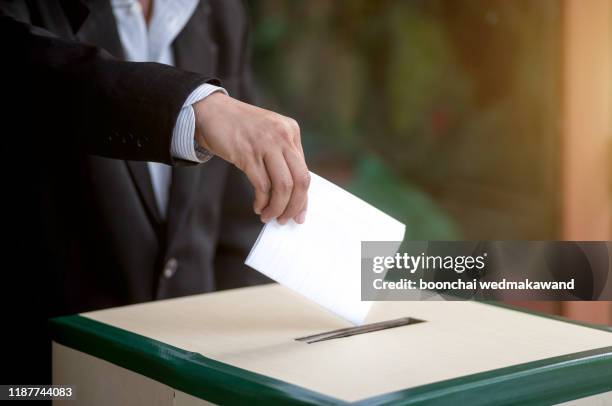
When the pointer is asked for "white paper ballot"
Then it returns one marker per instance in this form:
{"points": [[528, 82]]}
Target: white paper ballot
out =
{"points": [[321, 259]]}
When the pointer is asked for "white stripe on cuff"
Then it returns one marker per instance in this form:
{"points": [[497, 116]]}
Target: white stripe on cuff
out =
{"points": [[184, 145]]}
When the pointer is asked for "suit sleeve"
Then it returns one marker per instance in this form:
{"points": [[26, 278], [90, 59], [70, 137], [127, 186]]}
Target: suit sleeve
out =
{"points": [[74, 96]]}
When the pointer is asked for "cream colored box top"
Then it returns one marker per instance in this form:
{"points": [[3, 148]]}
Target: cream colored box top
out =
{"points": [[255, 329]]}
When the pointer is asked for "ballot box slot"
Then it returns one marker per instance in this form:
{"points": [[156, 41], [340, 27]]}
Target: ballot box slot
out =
{"points": [[366, 328]]}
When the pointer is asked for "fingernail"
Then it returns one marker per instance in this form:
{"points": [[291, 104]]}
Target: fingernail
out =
{"points": [[301, 217], [282, 222], [264, 219]]}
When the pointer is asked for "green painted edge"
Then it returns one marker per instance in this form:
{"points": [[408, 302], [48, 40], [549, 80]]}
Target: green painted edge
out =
{"points": [[183, 370], [547, 381], [525, 384]]}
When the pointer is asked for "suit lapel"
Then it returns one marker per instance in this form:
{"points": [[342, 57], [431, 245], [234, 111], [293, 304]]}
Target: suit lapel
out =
{"points": [[76, 13], [182, 194], [193, 51], [99, 27], [142, 179]]}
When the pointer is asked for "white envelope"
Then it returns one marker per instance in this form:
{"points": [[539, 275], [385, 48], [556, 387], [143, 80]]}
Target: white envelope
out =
{"points": [[321, 259]]}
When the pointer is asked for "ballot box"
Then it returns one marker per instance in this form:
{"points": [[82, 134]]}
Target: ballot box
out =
{"points": [[264, 345]]}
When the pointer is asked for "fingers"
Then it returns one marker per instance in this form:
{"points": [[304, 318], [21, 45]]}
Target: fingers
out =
{"points": [[297, 139], [282, 185], [300, 218], [288, 175], [258, 176], [263, 144], [299, 195], [305, 175]]}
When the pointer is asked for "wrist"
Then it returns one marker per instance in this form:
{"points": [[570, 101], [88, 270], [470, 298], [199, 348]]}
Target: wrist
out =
{"points": [[204, 112], [199, 136]]}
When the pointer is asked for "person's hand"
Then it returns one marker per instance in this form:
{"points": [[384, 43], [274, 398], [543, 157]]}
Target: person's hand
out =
{"points": [[264, 145]]}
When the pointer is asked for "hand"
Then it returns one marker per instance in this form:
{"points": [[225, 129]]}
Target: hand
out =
{"points": [[264, 145]]}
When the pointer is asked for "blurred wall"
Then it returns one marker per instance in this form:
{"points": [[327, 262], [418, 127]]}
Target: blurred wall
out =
{"points": [[465, 119], [587, 136]]}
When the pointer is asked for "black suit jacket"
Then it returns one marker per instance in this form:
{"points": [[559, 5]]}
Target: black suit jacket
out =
{"points": [[83, 228]]}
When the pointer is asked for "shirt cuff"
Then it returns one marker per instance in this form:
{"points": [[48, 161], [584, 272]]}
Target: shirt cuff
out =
{"points": [[184, 145]]}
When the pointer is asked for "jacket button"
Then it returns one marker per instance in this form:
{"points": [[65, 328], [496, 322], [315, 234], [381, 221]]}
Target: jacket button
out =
{"points": [[170, 268]]}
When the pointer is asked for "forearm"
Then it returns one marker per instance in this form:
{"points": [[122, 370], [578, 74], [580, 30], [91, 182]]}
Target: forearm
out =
{"points": [[116, 109]]}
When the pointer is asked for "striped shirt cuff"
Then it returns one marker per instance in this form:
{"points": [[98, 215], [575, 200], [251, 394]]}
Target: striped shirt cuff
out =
{"points": [[184, 145]]}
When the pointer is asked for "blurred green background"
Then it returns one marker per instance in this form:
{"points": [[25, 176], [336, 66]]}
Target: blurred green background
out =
{"points": [[444, 113]]}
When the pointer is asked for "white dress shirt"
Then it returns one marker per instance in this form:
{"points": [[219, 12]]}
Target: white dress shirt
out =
{"points": [[153, 43]]}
